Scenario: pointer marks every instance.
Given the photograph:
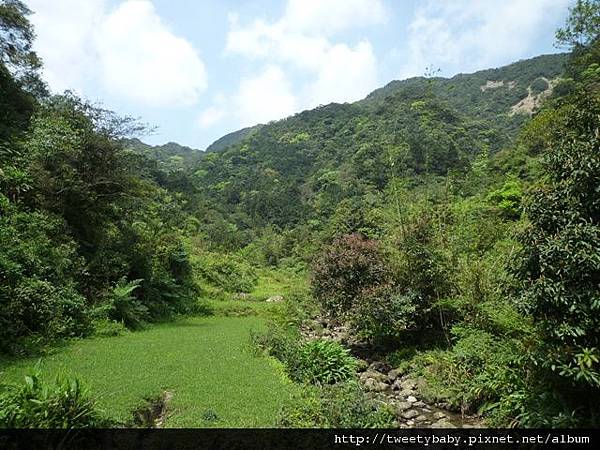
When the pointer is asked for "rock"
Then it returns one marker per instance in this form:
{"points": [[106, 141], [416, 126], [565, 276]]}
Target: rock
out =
{"points": [[403, 406], [377, 366], [442, 424], [242, 296], [275, 299], [392, 375], [410, 423], [421, 418], [439, 415], [371, 384], [397, 385], [370, 373], [411, 399], [420, 404], [410, 414], [408, 384], [406, 393]]}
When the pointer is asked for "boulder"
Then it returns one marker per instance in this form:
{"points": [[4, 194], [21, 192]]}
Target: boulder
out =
{"points": [[410, 414], [442, 424], [371, 384], [392, 375], [275, 299], [403, 406], [411, 399], [408, 384]]}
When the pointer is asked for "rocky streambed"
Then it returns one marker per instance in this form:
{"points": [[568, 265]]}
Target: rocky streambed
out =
{"points": [[401, 393], [386, 385]]}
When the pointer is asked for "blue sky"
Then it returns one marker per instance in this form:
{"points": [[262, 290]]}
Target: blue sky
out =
{"points": [[198, 69]]}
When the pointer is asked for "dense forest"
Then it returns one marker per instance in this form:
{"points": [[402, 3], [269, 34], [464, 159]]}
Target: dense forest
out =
{"points": [[442, 232]]}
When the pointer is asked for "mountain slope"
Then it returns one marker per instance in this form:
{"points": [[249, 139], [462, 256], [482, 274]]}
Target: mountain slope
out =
{"points": [[490, 93], [303, 167]]}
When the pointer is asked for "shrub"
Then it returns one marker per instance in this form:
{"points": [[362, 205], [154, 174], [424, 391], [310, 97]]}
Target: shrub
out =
{"points": [[478, 374], [342, 405], [508, 199], [36, 404], [225, 272], [384, 311], [346, 267], [125, 307], [325, 362], [49, 311], [318, 361], [108, 328]]}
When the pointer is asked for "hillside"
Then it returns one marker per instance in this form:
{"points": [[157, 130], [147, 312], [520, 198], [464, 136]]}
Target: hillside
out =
{"points": [[490, 93], [296, 169]]}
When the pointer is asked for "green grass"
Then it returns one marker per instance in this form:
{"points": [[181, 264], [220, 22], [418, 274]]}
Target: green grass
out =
{"points": [[278, 282], [206, 362]]}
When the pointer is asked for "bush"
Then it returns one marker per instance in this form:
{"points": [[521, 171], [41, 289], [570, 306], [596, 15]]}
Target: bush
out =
{"points": [[108, 328], [325, 362], [344, 269], [36, 404], [342, 405], [508, 199], [384, 311], [125, 307], [225, 272], [41, 309], [317, 362], [478, 374]]}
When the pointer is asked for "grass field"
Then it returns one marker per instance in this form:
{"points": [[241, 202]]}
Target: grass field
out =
{"points": [[205, 362]]}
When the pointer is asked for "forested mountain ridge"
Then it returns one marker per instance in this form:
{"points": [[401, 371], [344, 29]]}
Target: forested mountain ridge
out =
{"points": [[484, 93], [297, 169]]}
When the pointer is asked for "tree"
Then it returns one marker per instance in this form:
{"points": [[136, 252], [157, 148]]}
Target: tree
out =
{"points": [[583, 25], [560, 265], [16, 41]]}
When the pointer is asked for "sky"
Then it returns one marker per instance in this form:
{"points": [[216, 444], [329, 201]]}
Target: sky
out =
{"points": [[199, 69]]}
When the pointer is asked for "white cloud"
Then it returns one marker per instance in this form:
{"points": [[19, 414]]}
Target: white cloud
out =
{"points": [[64, 39], [345, 74], [467, 35], [264, 97], [211, 116], [327, 17], [128, 50], [302, 40]]}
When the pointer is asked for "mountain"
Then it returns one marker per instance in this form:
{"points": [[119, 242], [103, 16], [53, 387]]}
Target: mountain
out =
{"points": [[231, 138], [501, 94], [170, 153], [311, 164]]}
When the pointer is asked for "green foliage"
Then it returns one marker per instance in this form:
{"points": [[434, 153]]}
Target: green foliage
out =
{"points": [[36, 404], [225, 272], [343, 405], [508, 199], [479, 373], [325, 362], [560, 260], [346, 267], [317, 362], [538, 86], [107, 328], [583, 24], [125, 307]]}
